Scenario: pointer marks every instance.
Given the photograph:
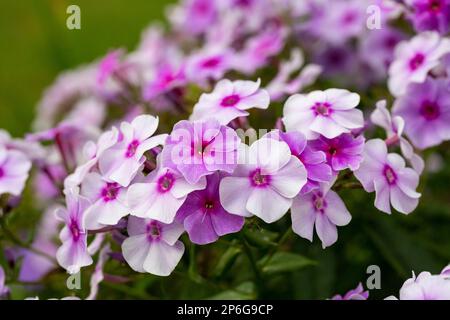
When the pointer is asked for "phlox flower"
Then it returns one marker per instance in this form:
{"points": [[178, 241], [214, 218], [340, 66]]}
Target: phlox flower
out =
{"points": [[92, 152], [166, 77], [14, 169], [329, 113], [322, 209], [355, 294], [342, 152], [230, 100], [314, 161], [121, 162], [425, 287], [152, 246], [210, 63], [290, 79], [426, 110], [199, 148], [265, 181], [108, 201], [194, 16], [73, 253], [394, 127], [387, 175], [414, 59], [204, 217], [98, 275], [161, 195], [430, 15]]}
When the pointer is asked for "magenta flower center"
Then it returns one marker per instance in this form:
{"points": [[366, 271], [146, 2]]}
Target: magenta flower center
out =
{"points": [[209, 205], [165, 182], [430, 110], [211, 63], [154, 231], [435, 5], [390, 175], [132, 147], [258, 179], [2, 173], [322, 108], [416, 61], [75, 230], [319, 202], [110, 192], [230, 101]]}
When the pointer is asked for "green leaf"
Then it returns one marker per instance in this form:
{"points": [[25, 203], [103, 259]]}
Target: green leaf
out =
{"points": [[284, 262], [245, 291], [226, 261], [261, 238]]}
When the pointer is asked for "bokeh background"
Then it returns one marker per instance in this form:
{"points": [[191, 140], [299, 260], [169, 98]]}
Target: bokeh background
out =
{"points": [[35, 46]]}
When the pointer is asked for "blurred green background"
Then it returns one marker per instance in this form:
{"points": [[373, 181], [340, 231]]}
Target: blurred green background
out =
{"points": [[35, 45]]}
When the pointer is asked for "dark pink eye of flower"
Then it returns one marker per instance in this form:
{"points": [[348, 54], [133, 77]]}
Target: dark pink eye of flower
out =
{"points": [[230, 101], [165, 182], [153, 231], [435, 5], [211, 62], [349, 17], [319, 202], [390, 175], [209, 205], [110, 191], [416, 61], [258, 179], [430, 110], [132, 147], [2, 173], [243, 3], [322, 108], [74, 230]]}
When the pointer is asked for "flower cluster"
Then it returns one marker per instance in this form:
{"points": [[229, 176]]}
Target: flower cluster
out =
{"points": [[145, 180]]}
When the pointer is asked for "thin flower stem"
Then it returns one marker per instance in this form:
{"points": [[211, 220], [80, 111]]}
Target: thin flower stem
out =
{"points": [[254, 266], [24, 245], [282, 240]]}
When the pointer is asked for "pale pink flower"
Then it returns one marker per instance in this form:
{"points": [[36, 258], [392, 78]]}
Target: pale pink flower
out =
{"points": [[14, 169]]}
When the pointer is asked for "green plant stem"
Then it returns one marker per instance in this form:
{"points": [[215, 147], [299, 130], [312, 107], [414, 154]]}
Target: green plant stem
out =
{"points": [[22, 244], [282, 240], [253, 264]]}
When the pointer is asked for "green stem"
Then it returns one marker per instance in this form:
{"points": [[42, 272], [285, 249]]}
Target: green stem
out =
{"points": [[282, 240], [24, 245], [253, 264]]}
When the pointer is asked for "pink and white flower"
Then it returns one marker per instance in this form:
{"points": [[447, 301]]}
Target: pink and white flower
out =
{"points": [[73, 253], [322, 209], [414, 59], [4, 290], [199, 148], [230, 100], [329, 113], [161, 195], [108, 201], [355, 294], [153, 246], [14, 169], [266, 183], [121, 162], [387, 175]]}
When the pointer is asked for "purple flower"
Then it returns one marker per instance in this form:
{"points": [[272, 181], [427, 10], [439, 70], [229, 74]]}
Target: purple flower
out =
{"points": [[425, 287], [203, 216], [323, 209], [161, 195], [314, 161], [426, 110], [394, 126], [266, 183], [430, 15], [3, 288], [414, 59], [121, 162], [167, 77], [197, 149], [73, 253], [329, 113], [356, 294], [342, 152], [14, 168], [387, 175], [194, 16], [230, 100], [209, 63], [108, 201], [152, 246]]}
